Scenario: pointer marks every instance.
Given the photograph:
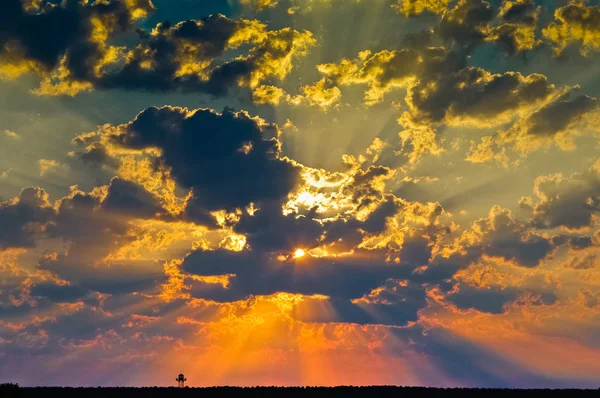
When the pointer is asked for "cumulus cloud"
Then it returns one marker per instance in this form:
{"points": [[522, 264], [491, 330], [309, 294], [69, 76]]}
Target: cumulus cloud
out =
{"points": [[441, 90], [474, 96], [493, 300], [575, 23], [557, 122], [24, 217], [77, 28], [469, 23], [386, 70], [501, 235], [512, 27], [90, 223], [258, 275], [226, 159], [240, 181], [565, 201], [260, 4], [92, 226], [185, 56], [416, 7], [292, 7], [583, 261]]}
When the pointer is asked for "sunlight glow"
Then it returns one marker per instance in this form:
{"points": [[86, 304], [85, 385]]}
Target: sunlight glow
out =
{"points": [[299, 253]]}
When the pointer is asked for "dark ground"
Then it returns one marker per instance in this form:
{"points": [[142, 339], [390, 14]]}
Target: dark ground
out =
{"points": [[265, 392]]}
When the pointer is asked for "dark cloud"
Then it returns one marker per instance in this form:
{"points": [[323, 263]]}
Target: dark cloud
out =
{"points": [[476, 95], [81, 222], [267, 265], [396, 302], [556, 117], [471, 23], [360, 291], [259, 274], [524, 11], [269, 230], [91, 226], [223, 158], [130, 200], [156, 63], [565, 201], [119, 278], [96, 155], [58, 293], [70, 47], [562, 117], [580, 242], [501, 235], [465, 24], [575, 23], [585, 260], [45, 35], [24, 217], [494, 300]]}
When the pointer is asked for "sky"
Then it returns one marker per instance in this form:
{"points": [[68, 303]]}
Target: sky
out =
{"points": [[300, 192]]}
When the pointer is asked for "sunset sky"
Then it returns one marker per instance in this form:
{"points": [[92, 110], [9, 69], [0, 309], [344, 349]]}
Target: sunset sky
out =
{"points": [[300, 192]]}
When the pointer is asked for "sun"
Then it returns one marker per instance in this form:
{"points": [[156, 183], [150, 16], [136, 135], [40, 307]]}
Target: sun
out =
{"points": [[299, 253]]}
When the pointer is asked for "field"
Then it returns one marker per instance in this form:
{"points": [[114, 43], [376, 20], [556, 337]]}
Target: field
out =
{"points": [[264, 392]]}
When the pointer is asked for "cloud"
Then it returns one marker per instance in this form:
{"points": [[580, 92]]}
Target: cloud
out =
{"points": [[90, 226], [501, 332], [512, 27], [352, 229], [226, 159], [185, 56], [48, 165], [411, 8], [94, 223], [24, 217], [501, 235], [473, 96], [443, 91], [386, 70], [268, 95], [321, 95], [292, 6], [466, 22], [565, 201], [575, 23], [77, 28], [131, 200], [557, 122], [58, 293], [258, 275], [469, 23], [92, 153], [12, 135], [583, 261], [397, 302], [489, 301], [518, 28], [580, 242]]}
